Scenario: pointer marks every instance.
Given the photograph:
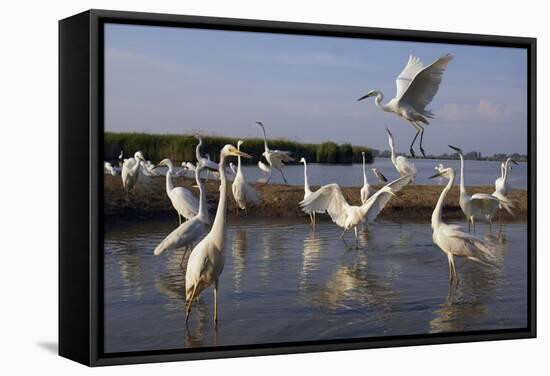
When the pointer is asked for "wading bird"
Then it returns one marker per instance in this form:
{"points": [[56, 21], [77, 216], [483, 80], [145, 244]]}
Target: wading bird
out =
{"points": [[380, 176], [130, 171], [108, 168], [307, 192], [207, 259], [275, 158], [501, 184], [401, 163], [266, 170], [478, 207], [182, 199], [366, 190], [121, 158], [243, 193], [330, 198], [186, 234], [416, 87], [209, 164], [452, 240]]}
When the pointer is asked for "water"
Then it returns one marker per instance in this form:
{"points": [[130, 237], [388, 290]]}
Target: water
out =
{"points": [[282, 282], [477, 173]]}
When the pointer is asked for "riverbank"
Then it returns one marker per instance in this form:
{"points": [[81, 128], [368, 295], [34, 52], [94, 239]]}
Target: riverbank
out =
{"points": [[415, 202]]}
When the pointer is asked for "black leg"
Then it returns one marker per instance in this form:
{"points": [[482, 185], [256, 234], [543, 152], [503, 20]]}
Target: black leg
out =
{"points": [[412, 144], [421, 138]]}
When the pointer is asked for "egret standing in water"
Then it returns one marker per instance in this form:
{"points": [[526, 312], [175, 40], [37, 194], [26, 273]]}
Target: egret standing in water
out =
{"points": [[189, 232], [366, 190], [130, 171], [330, 198], [307, 191], [275, 158], [243, 193], [401, 163], [182, 199], [452, 240], [478, 207], [502, 187], [207, 259], [416, 87]]}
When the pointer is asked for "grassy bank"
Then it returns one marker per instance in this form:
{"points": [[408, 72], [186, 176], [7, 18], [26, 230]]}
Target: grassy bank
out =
{"points": [[182, 148], [415, 202]]}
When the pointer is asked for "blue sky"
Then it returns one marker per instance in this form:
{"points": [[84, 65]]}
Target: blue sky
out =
{"points": [[305, 88]]}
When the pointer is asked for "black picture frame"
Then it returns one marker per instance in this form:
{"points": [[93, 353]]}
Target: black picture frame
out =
{"points": [[80, 189]]}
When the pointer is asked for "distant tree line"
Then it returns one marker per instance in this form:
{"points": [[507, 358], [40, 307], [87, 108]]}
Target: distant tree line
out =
{"points": [[182, 148], [471, 155]]}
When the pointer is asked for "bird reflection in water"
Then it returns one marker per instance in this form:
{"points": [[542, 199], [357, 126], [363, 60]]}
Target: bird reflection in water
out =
{"points": [[312, 252], [130, 271], [239, 255]]}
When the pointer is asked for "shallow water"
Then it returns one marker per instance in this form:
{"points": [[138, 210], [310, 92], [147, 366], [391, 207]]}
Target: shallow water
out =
{"points": [[477, 173], [283, 282]]}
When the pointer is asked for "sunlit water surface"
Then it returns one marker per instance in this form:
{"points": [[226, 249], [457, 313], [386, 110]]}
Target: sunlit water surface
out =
{"points": [[283, 282]]}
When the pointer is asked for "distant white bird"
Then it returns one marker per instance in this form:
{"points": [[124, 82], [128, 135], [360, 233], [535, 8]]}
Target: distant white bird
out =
{"points": [[416, 87], [275, 158], [131, 170], [186, 234], [108, 168], [439, 167], [266, 170], [182, 199], [121, 158], [502, 187], [478, 207], [243, 193], [452, 240], [330, 198], [148, 168], [232, 167], [366, 190], [401, 163], [189, 166], [210, 165], [380, 175], [207, 259], [307, 192]]}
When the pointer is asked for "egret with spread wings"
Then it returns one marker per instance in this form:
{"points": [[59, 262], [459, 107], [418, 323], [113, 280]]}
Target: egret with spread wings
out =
{"points": [[330, 198], [275, 158], [416, 87]]}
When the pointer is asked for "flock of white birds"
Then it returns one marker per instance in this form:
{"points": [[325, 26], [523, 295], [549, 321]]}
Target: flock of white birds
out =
{"points": [[416, 86]]}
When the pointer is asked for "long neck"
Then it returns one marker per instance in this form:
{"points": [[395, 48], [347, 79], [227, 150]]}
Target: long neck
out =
{"points": [[505, 176], [306, 184], [462, 186], [239, 161], [502, 170], [198, 150], [203, 212], [169, 183], [365, 181], [392, 149], [218, 227], [436, 215], [265, 139], [136, 166], [378, 101]]}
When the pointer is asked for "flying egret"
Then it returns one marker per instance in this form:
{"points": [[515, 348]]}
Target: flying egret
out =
{"points": [[379, 175], [131, 170], [275, 158], [330, 198], [108, 168], [416, 87], [243, 193], [307, 192], [452, 240], [366, 190], [401, 163], [182, 199], [189, 232], [478, 207], [207, 259]]}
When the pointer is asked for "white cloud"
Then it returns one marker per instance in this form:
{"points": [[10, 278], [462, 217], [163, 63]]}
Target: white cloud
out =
{"points": [[485, 111]]}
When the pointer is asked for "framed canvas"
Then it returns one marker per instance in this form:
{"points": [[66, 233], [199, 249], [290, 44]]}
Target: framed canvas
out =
{"points": [[235, 187]]}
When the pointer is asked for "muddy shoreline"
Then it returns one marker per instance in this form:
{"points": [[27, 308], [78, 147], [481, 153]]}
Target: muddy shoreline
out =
{"points": [[415, 202]]}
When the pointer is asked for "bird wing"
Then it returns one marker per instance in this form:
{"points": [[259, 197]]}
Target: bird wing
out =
{"points": [[374, 205], [468, 245], [330, 198], [404, 166], [184, 202], [484, 203], [184, 235], [402, 82], [504, 202], [282, 155], [250, 194], [209, 164], [424, 85]]}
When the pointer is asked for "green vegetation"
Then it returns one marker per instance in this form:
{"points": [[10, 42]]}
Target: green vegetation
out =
{"points": [[182, 148], [471, 155]]}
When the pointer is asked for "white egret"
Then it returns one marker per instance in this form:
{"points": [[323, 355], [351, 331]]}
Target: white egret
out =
{"points": [[131, 170], [243, 193], [108, 168], [189, 232], [416, 87], [452, 240], [439, 167], [366, 190], [401, 163], [307, 192], [207, 259], [209, 164], [182, 199], [379, 175], [501, 184], [330, 198], [121, 158], [232, 168], [275, 158], [478, 207]]}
